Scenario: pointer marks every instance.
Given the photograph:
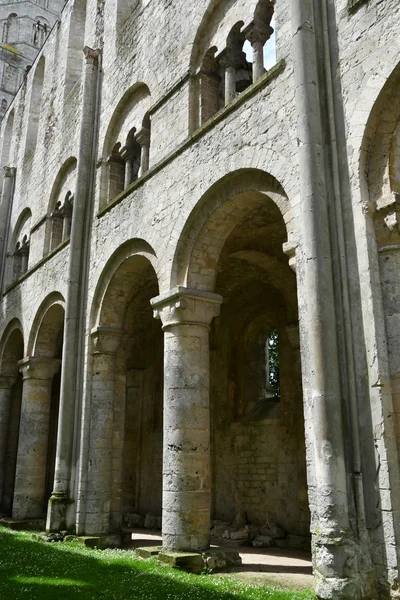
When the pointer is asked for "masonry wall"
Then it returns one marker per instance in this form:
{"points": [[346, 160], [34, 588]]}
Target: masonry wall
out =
{"points": [[150, 57]]}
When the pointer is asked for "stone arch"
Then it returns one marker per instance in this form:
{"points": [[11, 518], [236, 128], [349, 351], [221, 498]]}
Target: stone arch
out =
{"points": [[135, 247], [35, 105], [60, 207], [42, 340], [39, 411], [227, 54], [380, 190], [250, 188], [19, 246], [11, 353], [76, 42], [127, 362], [233, 245]]}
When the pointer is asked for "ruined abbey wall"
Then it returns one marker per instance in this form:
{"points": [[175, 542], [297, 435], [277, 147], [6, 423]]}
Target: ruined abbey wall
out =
{"points": [[168, 200]]}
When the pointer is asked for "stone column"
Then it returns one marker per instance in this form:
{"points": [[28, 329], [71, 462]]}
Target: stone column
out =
{"points": [[126, 155], [143, 139], [24, 256], [228, 63], [73, 348], [30, 475], [6, 390], [257, 37], [67, 216], [186, 315], [106, 342], [5, 213]]}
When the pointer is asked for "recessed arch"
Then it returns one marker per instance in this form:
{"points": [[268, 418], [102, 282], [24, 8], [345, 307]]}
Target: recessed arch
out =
{"points": [[222, 206], [35, 105], [76, 42], [11, 353], [11, 347], [129, 112], [44, 338], [144, 254]]}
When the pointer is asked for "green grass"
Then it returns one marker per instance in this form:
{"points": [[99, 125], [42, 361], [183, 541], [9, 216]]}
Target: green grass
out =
{"points": [[37, 570]]}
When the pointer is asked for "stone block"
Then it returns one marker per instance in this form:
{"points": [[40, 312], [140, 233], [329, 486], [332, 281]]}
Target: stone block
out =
{"points": [[148, 551], [192, 562], [219, 560]]}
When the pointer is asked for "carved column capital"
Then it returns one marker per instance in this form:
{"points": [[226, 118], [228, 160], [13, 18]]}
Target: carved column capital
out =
{"points": [[186, 306], [257, 34], [91, 56], [106, 340], [9, 171], [33, 367], [143, 137]]}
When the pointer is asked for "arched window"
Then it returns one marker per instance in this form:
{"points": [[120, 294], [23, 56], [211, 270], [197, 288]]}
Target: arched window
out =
{"points": [[20, 246], [10, 29], [226, 70], [61, 219], [40, 31], [272, 379], [126, 150], [35, 105], [60, 207]]}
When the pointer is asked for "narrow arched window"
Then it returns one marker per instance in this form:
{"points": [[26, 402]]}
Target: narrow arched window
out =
{"points": [[272, 379]]}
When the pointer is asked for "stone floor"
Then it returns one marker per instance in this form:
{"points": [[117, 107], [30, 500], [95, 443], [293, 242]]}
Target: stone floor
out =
{"points": [[263, 566]]}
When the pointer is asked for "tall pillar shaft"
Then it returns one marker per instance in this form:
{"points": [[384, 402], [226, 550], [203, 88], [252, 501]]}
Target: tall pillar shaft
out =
{"points": [[98, 496], [72, 359], [230, 83], [258, 59], [186, 316], [33, 437], [5, 213]]}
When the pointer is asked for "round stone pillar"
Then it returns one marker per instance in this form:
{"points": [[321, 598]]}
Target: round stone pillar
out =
{"points": [[106, 342], [30, 478], [258, 36], [6, 390], [186, 315]]}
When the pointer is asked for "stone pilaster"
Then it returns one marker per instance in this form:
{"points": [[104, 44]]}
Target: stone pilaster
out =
{"points": [[72, 359], [186, 315], [30, 475], [106, 342], [5, 212]]}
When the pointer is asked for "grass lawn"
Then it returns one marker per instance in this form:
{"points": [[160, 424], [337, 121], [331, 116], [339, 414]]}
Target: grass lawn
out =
{"points": [[38, 570]]}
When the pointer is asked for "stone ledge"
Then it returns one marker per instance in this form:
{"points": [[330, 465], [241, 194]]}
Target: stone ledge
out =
{"points": [[112, 540], [24, 524], [148, 551], [191, 562]]}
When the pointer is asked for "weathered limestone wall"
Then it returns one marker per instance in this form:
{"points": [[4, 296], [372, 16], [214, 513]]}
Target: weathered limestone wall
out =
{"points": [[180, 215]]}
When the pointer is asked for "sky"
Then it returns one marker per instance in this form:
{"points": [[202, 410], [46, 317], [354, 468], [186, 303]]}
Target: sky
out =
{"points": [[269, 50]]}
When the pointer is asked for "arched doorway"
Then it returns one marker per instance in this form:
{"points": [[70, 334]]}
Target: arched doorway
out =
{"points": [[41, 371], [12, 351], [126, 430]]}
